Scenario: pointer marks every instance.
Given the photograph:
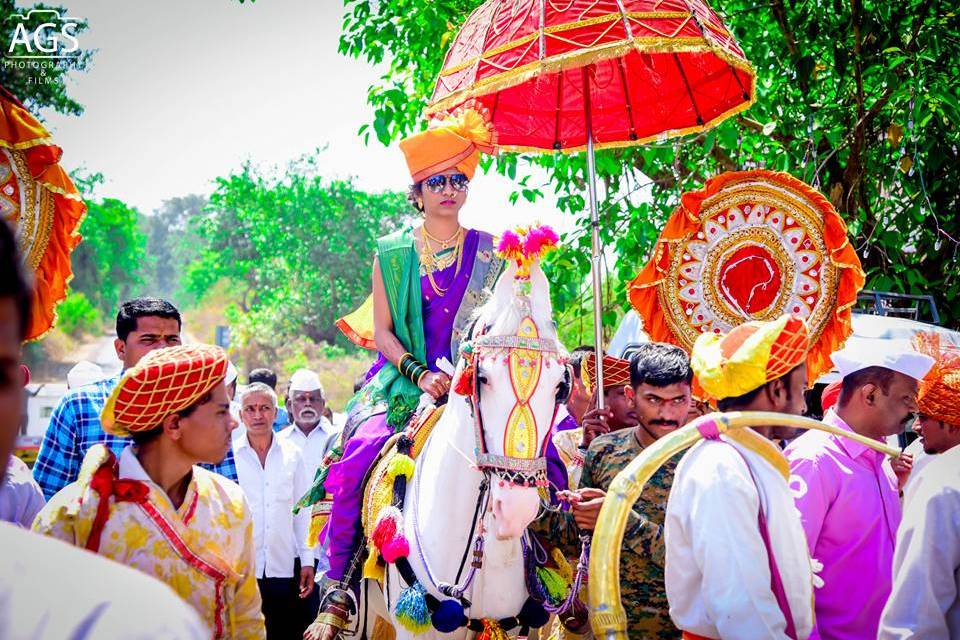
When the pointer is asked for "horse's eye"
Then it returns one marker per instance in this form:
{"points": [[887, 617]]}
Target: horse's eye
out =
{"points": [[482, 379]]}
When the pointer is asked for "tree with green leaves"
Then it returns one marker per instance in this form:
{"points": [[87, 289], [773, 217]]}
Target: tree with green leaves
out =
{"points": [[858, 98], [40, 82], [297, 249], [173, 243], [110, 264]]}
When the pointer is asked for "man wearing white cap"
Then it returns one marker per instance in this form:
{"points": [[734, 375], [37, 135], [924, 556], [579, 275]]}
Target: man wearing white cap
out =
{"points": [[847, 495], [310, 430]]}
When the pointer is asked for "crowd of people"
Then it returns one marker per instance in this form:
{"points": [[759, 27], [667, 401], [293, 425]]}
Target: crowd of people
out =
{"points": [[217, 489]]}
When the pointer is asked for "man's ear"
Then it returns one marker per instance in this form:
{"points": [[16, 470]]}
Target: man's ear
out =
{"points": [[628, 391], [868, 393], [120, 347], [776, 393], [172, 426]]}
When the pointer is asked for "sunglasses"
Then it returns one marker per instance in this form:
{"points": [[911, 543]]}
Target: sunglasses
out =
{"points": [[438, 183]]}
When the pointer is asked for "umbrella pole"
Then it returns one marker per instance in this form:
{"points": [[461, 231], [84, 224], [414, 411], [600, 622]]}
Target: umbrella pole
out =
{"points": [[596, 255]]}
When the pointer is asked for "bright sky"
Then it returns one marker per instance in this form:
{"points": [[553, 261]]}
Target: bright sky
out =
{"points": [[181, 92]]}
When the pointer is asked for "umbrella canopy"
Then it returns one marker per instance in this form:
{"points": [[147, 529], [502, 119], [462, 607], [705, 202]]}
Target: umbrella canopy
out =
{"points": [[657, 68], [38, 198], [752, 245]]}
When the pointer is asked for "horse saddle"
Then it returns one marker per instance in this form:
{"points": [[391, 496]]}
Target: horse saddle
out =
{"points": [[378, 487]]}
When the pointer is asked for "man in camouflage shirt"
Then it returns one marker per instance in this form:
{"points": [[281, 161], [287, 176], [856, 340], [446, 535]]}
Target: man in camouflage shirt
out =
{"points": [[660, 378]]}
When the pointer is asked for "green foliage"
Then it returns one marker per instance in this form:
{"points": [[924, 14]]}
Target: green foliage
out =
{"points": [[109, 264], [40, 83], [858, 98], [76, 316], [297, 248]]}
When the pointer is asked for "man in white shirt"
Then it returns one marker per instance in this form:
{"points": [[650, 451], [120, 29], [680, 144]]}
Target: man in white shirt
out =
{"points": [[273, 476], [737, 564], [310, 431]]}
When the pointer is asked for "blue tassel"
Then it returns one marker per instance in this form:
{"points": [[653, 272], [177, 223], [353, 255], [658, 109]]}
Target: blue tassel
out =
{"points": [[411, 610], [448, 616]]}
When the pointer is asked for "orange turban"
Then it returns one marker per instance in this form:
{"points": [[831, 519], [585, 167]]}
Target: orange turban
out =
{"points": [[163, 382], [750, 356], [455, 141], [616, 372], [939, 393]]}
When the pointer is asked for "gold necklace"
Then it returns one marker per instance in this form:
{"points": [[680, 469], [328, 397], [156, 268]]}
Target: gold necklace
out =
{"points": [[431, 262], [443, 243]]}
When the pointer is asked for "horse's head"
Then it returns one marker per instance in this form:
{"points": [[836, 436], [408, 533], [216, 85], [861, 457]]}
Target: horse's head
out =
{"points": [[514, 376]]}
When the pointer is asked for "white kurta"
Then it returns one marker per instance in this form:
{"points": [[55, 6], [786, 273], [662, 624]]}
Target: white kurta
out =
{"points": [[51, 590], [925, 601], [717, 571]]}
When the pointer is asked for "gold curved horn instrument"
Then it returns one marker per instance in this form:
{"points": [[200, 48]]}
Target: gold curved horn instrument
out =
{"points": [[607, 615]]}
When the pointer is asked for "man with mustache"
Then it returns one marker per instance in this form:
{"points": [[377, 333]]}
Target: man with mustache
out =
{"points": [[847, 495], [659, 392], [310, 431]]}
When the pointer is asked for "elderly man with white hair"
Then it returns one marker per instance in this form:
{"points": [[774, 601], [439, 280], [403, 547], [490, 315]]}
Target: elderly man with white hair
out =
{"points": [[311, 431], [273, 476]]}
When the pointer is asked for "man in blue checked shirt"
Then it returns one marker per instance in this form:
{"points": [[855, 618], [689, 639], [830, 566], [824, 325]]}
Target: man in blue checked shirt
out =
{"points": [[143, 325]]}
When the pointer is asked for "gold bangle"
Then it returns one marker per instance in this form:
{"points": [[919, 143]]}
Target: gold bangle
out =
{"points": [[331, 619], [422, 373]]}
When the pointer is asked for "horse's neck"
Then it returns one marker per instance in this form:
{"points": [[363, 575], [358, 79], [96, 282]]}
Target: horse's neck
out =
{"points": [[445, 497]]}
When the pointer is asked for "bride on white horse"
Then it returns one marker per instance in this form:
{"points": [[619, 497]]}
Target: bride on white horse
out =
{"points": [[452, 532]]}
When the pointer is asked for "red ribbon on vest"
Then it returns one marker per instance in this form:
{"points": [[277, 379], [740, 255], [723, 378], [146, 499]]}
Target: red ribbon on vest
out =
{"points": [[106, 484]]}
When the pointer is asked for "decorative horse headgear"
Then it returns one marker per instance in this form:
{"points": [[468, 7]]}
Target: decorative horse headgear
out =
{"points": [[526, 354]]}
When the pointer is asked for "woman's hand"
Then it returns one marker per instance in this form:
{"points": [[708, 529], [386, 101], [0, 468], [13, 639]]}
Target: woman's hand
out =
{"points": [[436, 384]]}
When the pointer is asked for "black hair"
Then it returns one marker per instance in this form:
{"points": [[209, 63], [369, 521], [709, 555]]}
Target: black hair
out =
{"points": [[264, 375], [142, 308], [13, 280], [737, 403], [576, 358], [414, 195], [660, 365], [877, 376]]}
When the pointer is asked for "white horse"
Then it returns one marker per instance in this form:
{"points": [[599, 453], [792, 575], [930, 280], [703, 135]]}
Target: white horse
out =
{"points": [[517, 400]]}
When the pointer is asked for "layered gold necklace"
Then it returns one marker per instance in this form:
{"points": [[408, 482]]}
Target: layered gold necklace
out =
{"points": [[439, 254]]}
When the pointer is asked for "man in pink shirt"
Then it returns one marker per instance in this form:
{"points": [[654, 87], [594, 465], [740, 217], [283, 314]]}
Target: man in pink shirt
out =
{"points": [[848, 496]]}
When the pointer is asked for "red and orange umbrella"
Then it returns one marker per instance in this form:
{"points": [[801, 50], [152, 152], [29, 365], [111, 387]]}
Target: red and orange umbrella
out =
{"points": [[38, 198], [571, 75]]}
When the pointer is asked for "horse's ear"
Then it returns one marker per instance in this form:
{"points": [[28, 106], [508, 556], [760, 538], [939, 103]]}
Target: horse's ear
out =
{"points": [[540, 292], [503, 290]]}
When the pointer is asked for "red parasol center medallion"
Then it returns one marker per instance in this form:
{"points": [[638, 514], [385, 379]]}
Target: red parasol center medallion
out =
{"points": [[750, 279]]}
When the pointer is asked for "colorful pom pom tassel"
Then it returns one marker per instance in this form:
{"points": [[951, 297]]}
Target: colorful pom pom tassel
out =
{"points": [[394, 549], [400, 465], [411, 609], [492, 631], [448, 616], [388, 525]]}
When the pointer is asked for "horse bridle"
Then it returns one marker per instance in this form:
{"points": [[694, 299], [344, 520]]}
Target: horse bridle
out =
{"points": [[515, 470]]}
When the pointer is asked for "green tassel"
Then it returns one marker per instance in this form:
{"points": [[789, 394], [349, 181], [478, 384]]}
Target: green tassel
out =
{"points": [[554, 584]]}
